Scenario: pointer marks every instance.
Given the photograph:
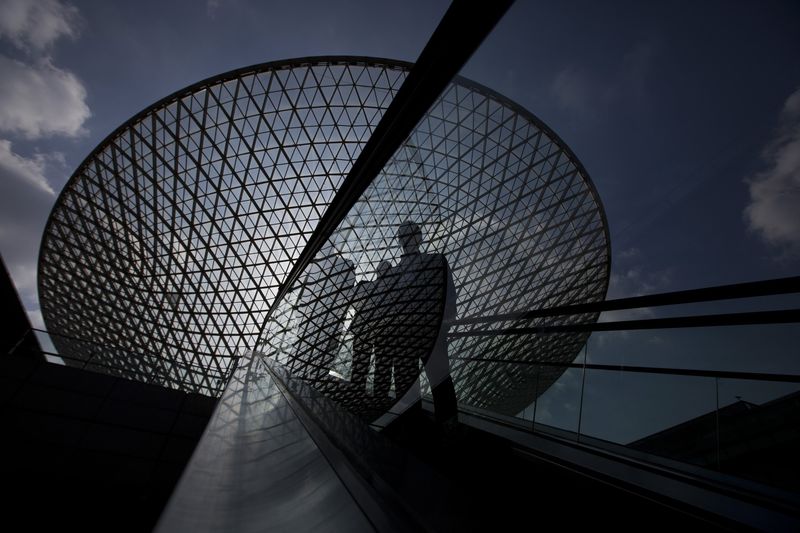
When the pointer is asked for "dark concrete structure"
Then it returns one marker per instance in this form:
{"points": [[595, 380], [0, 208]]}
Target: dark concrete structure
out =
{"points": [[757, 442], [88, 451]]}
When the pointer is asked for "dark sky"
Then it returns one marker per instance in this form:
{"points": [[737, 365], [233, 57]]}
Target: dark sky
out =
{"points": [[685, 114]]}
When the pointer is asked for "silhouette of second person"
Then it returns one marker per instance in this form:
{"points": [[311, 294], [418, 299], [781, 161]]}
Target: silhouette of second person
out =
{"points": [[367, 303], [417, 303], [321, 308]]}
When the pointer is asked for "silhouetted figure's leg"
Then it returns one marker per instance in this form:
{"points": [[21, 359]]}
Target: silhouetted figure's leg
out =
{"points": [[406, 371], [444, 401], [362, 353], [302, 359], [383, 375], [438, 371]]}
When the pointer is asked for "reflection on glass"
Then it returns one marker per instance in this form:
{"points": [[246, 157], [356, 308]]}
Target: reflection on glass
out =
{"points": [[248, 162], [500, 196], [399, 321], [759, 431], [642, 410], [321, 307], [365, 303], [748, 348], [257, 466], [558, 408]]}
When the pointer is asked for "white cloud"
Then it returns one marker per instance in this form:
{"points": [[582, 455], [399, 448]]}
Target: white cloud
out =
{"points": [[41, 99], [774, 208], [582, 92], [212, 6], [627, 281], [25, 199], [37, 24], [24, 276], [37, 99], [630, 253], [572, 90], [30, 171], [24, 204]]}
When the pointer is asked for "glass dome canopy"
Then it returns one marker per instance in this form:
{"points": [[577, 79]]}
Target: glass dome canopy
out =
{"points": [[165, 251]]}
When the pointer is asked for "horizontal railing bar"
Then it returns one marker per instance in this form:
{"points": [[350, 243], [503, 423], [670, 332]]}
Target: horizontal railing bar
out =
{"points": [[141, 354], [753, 289], [728, 319], [727, 374], [89, 363]]}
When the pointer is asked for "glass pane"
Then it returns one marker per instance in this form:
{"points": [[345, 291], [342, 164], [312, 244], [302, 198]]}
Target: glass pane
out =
{"points": [[759, 431], [558, 408], [665, 415], [754, 348]]}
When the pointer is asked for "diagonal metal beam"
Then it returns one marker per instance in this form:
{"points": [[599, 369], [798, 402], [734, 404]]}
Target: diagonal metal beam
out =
{"points": [[462, 29]]}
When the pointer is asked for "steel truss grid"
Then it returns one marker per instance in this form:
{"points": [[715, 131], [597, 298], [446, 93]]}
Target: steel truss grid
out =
{"points": [[169, 242]]}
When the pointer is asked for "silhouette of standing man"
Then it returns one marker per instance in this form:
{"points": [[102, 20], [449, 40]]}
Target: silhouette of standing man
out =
{"points": [[417, 305], [367, 305], [321, 308]]}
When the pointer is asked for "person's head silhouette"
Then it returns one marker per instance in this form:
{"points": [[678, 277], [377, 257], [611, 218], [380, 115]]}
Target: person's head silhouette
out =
{"points": [[383, 268], [410, 237]]}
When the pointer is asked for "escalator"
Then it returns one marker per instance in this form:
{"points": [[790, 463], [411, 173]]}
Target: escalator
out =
{"points": [[278, 455]]}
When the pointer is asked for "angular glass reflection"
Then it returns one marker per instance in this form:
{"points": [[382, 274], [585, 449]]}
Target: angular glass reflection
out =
{"points": [[173, 236], [172, 239], [511, 213], [396, 326], [759, 429]]}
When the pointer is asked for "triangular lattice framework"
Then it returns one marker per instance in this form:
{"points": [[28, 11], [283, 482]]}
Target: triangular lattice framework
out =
{"points": [[521, 226], [169, 243]]}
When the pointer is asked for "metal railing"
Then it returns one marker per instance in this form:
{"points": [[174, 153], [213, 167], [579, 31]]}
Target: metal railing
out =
{"points": [[713, 427], [97, 360], [722, 436]]}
